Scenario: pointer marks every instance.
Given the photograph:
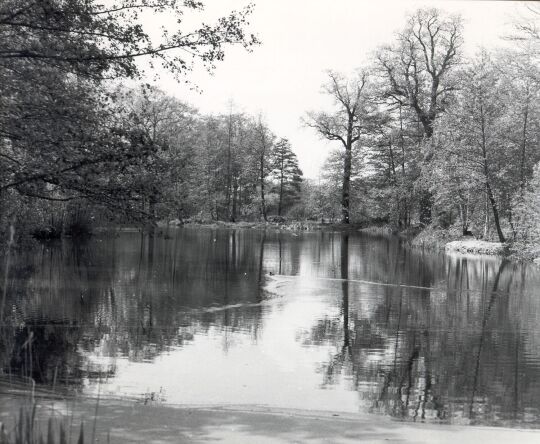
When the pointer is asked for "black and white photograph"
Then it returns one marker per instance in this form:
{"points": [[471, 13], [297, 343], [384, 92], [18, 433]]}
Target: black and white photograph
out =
{"points": [[269, 221]]}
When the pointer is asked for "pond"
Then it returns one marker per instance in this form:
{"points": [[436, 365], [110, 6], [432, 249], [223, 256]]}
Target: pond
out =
{"points": [[341, 322]]}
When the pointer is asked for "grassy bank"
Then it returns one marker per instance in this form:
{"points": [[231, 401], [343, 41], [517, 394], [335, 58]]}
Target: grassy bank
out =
{"points": [[452, 240]]}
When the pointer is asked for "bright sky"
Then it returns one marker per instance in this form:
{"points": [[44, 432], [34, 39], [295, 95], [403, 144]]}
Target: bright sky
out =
{"points": [[281, 78]]}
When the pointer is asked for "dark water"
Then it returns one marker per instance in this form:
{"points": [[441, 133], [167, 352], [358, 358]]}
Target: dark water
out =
{"points": [[323, 321]]}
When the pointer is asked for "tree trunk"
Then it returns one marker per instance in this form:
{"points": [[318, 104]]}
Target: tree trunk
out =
{"points": [[405, 206], [395, 212], [261, 177], [523, 149], [495, 213], [281, 187], [229, 169], [426, 197], [234, 200], [486, 220], [464, 215], [152, 207], [346, 190], [489, 191]]}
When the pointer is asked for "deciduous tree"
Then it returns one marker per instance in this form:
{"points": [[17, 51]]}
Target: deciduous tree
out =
{"points": [[418, 69], [345, 124]]}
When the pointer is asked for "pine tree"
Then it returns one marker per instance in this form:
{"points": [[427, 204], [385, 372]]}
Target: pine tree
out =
{"points": [[287, 174]]}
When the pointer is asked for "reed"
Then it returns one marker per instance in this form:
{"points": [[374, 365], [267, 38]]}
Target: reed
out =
{"points": [[28, 430]]}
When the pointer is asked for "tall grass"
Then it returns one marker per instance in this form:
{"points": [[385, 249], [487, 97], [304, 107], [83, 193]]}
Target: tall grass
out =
{"points": [[27, 430]]}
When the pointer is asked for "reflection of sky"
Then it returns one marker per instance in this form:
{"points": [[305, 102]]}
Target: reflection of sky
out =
{"points": [[191, 324], [275, 369]]}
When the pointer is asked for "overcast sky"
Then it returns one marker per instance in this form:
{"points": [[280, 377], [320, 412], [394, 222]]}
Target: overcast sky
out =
{"points": [[281, 78]]}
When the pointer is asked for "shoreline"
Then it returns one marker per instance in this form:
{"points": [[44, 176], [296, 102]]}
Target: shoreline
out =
{"points": [[306, 226], [126, 422], [428, 238], [452, 242]]}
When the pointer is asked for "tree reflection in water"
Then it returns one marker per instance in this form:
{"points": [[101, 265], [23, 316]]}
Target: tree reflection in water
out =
{"points": [[453, 351], [418, 336], [135, 296]]}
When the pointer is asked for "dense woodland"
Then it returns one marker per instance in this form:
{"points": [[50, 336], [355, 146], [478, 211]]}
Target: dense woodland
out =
{"points": [[80, 149], [428, 135], [424, 134]]}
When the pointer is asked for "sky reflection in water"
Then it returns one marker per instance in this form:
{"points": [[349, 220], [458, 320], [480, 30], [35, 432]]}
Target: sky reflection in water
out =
{"points": [[323, 321]]}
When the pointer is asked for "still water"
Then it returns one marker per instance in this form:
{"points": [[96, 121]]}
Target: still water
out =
{"points": [[322, 321]]}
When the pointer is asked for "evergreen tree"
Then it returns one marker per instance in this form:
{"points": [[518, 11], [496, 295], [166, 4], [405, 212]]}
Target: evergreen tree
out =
{"points": [[287, 174]]}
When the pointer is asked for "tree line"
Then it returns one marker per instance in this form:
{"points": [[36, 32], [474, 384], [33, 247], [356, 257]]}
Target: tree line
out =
{"points": [[77, 149], [429, 135], [227, 167], [424, 134]]}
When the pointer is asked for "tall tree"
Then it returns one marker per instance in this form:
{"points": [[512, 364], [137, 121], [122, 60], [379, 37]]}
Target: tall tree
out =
{"points": [[345, 124], [528, 211], [170, 125], [520, 73], [287, 173], [418, 67], [418, 70], [473, 132], [262, 148], [391, 153]]}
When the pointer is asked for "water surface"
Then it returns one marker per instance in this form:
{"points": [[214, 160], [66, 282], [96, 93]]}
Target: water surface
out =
{"points": [[322, 321]]}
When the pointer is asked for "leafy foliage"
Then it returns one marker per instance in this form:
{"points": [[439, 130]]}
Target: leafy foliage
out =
{"points": [[449, 139], [66, 134]]}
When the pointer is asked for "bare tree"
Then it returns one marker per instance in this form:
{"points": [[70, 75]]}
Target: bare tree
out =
{"points": [[346, 124]]}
